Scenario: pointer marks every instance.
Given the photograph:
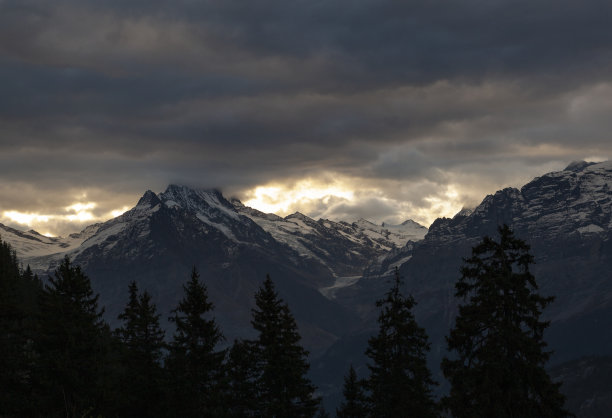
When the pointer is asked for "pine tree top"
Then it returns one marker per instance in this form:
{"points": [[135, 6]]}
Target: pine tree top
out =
{"points": [[193, 330], [498, 339], [70, 285], [400, 382], [141, 331], [281, 363]]}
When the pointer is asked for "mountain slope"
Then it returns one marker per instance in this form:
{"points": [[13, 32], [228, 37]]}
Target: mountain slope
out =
{"points": [[587, 384], [37, 250], [565, 216], [345, 249]]}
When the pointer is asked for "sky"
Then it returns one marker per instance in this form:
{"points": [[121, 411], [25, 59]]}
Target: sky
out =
{"points": [[341, 109]]}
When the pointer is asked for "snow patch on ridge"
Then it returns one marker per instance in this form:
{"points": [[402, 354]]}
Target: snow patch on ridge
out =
{"points": [[590, 229]]}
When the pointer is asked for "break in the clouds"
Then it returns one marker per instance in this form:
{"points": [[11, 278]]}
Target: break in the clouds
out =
{"points": [[379, 109]]}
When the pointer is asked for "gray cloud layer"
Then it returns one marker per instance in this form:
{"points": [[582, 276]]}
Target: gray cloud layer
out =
{"points": [[408, 97]]}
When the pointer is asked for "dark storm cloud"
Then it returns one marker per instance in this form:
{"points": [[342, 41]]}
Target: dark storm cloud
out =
{"points": [[127, 96]]}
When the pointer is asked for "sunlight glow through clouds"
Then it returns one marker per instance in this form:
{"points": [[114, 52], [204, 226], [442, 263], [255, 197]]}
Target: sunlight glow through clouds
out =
{"points": [[446, 206], [119, 212], [282, 200], [332, 199], [81, 212], [78, 214], [25, 218]]}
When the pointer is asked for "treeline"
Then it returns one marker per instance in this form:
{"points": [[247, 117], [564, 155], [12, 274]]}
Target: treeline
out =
{"points": [[60, 358], [497, 353]]}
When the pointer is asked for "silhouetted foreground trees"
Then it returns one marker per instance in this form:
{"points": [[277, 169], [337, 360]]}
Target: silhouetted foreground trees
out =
{"points": [[195, 368], [280, 361], [60, 359], [355, 403], [497, 367], [71, 345], [18, 309], [399, 384], [498, 338]]}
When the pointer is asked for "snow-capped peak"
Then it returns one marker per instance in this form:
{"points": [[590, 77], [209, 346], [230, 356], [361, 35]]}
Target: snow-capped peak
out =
{"points": [[208, 202], [578, 166], [399, 235]]}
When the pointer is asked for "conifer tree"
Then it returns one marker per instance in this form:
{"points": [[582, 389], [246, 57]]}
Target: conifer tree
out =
{"points": [[283, 390], [400, 382], [355, 403], [497, 368], [143, 343], [19, 292], [194, 366], [11, 340], [241, 377], [69, 345]]}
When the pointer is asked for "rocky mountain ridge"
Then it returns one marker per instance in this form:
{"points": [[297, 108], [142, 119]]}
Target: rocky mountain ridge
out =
{"points": [[343, 247], [234, 247]]}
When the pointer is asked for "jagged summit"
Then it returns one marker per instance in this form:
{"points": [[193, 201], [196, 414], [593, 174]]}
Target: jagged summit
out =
{"points": [[578, 166], [236, 202], [464, 212], [574, 202], [148, 199], [208, 205], [299, 215], [364, 222], [187, 197], [340, 247]]}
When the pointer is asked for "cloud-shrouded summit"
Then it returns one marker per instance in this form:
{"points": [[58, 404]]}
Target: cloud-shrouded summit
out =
{"points": [[379, 109]]}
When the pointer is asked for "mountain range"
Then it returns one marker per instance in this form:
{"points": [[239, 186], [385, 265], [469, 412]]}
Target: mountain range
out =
{"points": [[233, 246], [331, 272]]}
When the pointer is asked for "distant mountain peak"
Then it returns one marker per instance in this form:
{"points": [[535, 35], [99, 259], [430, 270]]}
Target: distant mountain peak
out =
{"points": [[410, 222], [577, 166], [236, 203], [149, 199], [298, 215], [180, 193], [200, 200], [363, 221], [464, 212]]}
